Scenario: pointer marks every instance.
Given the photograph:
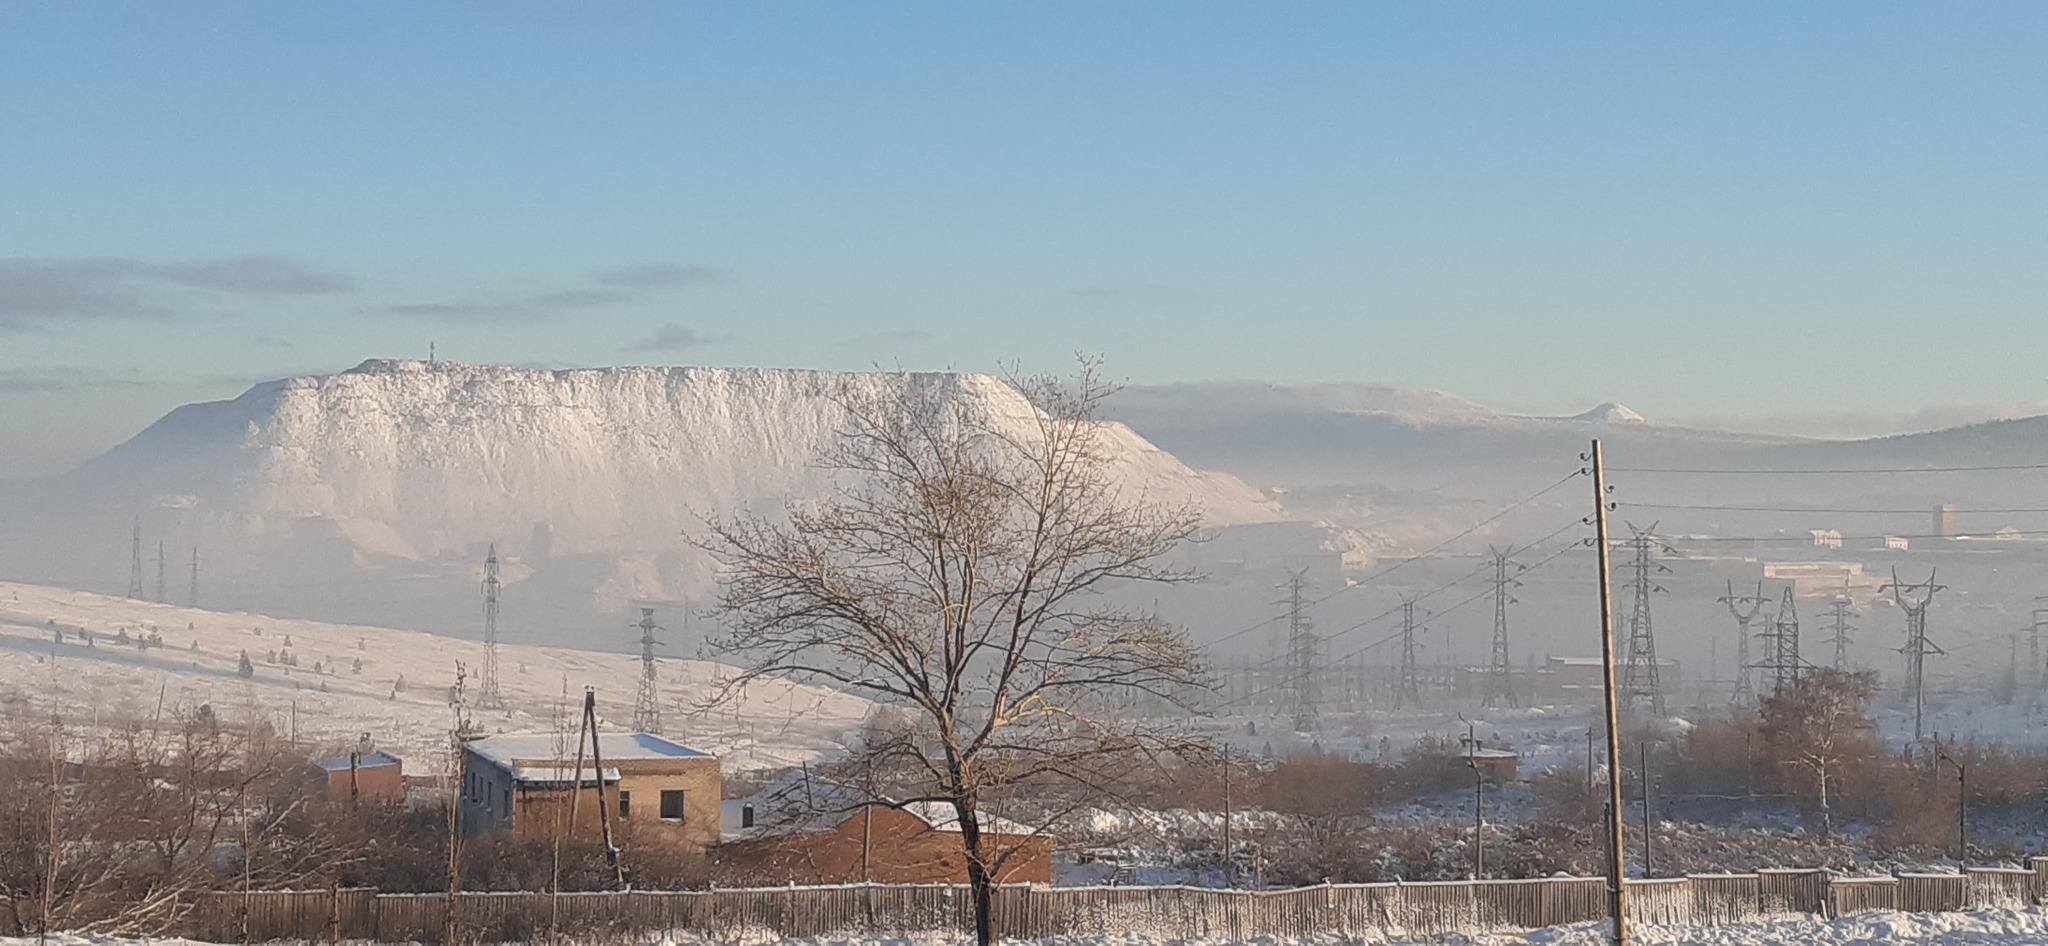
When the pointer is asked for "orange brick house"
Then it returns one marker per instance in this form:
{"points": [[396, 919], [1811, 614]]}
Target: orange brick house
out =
{"points": [[365, 775], [808, 830], [655, 787]]}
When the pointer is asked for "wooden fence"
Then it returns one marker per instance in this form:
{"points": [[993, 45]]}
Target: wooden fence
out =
{"points": [[1347, 910]]}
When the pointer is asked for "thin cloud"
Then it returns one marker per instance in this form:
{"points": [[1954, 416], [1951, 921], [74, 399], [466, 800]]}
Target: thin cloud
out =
{"points": [[70, 378], [1852, 424], [662, 276], [612, 288], [270, 341], [889, 336], [253, 275], [40, 291], [672, 337], [1101, 297]]}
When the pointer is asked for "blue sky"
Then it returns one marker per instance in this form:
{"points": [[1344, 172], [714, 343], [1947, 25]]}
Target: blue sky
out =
{"points": [[1702, 210]]}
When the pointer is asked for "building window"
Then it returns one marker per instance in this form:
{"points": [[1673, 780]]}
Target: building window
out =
{"points": [[671, 804], [625, 804], [507, 797]]}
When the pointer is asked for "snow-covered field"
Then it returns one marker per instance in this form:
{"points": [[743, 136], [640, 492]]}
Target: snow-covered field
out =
{"points": [[357, 687], [1972, 928]]}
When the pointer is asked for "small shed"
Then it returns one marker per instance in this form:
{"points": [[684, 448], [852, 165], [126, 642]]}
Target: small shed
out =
{"points": [[1497, 766], [365, 775]]}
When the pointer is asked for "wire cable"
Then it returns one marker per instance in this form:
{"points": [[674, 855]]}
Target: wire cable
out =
{"points": [[1397, 566]]}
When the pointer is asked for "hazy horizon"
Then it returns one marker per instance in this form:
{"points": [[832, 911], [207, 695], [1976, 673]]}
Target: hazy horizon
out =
{"points": [[65, 444]]}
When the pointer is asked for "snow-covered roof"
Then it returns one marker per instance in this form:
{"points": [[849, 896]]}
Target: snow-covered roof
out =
{"points": [[941, 817], [368, 760], [798, 801], [803, 802], [1485, 753], [510, 751]]}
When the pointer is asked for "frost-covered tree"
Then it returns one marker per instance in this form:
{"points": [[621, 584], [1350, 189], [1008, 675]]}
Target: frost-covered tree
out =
{"points": [[958, 578], [244, 666], [1820, 724]]}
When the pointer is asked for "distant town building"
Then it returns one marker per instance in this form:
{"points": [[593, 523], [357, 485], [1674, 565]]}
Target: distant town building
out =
{"points": [[1945, 521], [524, 783], [1824, 579], [1896, 543], [1826, 538]]}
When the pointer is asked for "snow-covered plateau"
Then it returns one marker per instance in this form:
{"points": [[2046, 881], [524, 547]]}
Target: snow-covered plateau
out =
{"points": [[409, 458]]}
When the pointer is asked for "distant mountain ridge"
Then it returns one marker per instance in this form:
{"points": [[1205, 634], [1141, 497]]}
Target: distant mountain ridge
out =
{"points": [[1420, 464]]}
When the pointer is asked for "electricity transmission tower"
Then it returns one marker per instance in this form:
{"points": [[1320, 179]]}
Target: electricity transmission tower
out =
{"points": [[647, 706], [1913, 600], [192, 597], [1744, 608], [1782, 664], [1409, 692], [135, 563], [1303, 653], [1641, 690], [161, 598], [488, 696], [1839, 613], [1500, 684]]}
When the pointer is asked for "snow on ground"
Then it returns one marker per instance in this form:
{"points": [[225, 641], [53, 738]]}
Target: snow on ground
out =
{"points": [[2008, 927], [774, 723]]}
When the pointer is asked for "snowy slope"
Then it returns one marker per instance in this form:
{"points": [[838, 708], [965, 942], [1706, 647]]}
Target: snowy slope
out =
{"points": [[2000, 927], [412, 458], [773, 723]]}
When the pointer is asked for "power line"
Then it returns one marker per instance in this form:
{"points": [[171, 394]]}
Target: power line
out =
{"points": [[1396, 609], [135, 562], [1781, 655], [1254, 695], [1918, 647], [1397, 566], [1410, 691], [489, 697], [1302, 663], [1500, 687], [1641, 688], [1838, 471], [1744, 608], [1824, 509], [647, 704], [1808, 539], [1840, 611]]}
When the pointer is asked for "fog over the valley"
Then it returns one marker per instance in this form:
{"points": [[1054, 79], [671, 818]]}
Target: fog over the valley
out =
{"points": [[371, 496]]}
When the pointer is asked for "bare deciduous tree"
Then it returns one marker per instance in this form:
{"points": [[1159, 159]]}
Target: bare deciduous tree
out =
{"points": [[959, 577], [1820, 724]]}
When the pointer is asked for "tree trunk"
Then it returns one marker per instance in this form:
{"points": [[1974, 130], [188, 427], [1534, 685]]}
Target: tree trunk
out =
{"points": [[980, 886]]}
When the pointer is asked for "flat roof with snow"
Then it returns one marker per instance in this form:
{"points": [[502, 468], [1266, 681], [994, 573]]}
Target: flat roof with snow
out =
{"points": [[513, 751], [368, 760]]}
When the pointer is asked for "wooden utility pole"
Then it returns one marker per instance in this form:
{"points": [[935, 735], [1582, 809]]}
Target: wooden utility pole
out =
{"points": [[604, 814], [1616, 865]]}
